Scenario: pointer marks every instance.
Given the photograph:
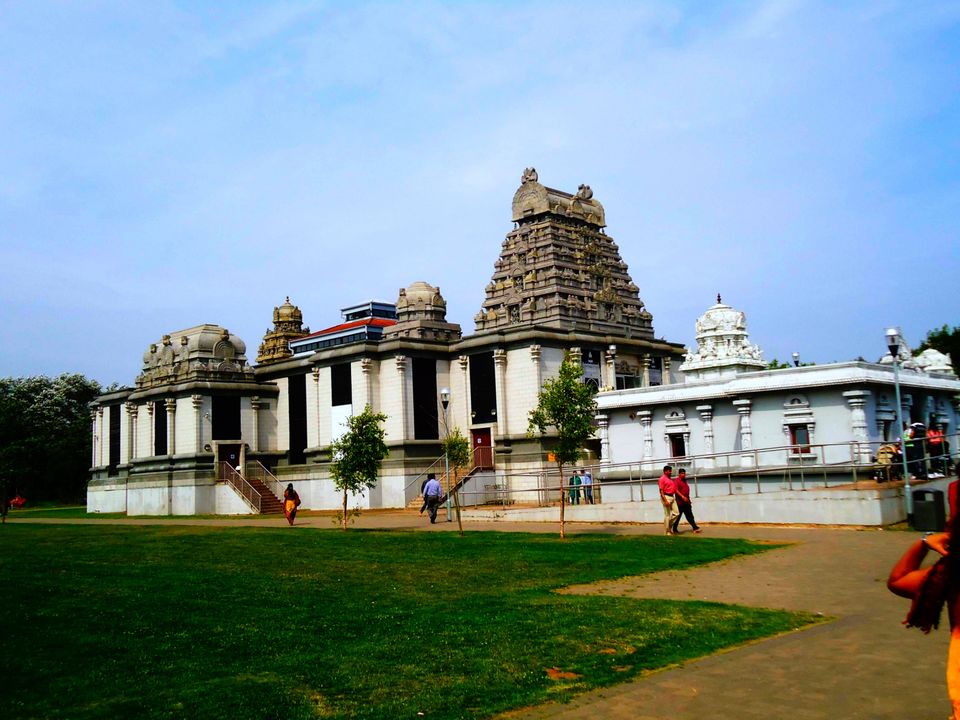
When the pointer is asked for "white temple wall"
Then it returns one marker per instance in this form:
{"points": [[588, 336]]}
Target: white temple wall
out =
{"points": [[246, 422], [521, 389], [268, 423], [458, 382], [395, 397]]}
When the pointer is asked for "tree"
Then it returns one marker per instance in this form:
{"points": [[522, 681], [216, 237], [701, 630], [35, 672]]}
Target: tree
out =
{"points": [[565, 403], [946, 340], [457, 450], [45, 436], [358, 455]]}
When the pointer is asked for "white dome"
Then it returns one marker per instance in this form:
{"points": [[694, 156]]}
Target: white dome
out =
{"points": [[722, 344]]}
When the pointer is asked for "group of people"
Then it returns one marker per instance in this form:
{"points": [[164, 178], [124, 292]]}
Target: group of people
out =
{"points": [[926, 449], [581, 479], [930, 588], [675, 497]]}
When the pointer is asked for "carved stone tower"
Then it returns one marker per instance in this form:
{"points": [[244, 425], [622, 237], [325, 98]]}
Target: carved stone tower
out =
{"points": [[559, 270], [422, 314], [287, 326]]}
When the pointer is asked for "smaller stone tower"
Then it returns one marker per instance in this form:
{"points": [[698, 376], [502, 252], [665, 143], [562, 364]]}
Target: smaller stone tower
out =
{"points": [[287, 326], [422, 314]]}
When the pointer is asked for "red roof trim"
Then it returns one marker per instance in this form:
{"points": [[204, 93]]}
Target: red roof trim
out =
{"points": [[375, 322]]}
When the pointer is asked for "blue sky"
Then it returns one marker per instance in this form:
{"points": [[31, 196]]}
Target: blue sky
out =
{"points": [[168, 164]]}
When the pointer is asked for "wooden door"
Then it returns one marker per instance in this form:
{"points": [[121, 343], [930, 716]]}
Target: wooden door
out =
{"points": [[482, 448]]}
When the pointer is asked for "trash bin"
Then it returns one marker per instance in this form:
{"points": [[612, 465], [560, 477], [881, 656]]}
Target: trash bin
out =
{"points": [[928, 510]]}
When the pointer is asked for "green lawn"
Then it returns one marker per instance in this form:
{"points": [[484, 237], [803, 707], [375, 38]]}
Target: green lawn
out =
{"points": [[200, 622]]}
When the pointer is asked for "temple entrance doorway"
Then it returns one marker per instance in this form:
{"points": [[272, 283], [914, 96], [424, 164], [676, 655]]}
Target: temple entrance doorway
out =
{"points": [[231, 453], [482, 449]]}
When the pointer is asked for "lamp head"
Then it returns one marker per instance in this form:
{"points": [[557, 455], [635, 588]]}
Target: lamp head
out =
{"points": [[796, 358], [445, 397], [893, 341]]}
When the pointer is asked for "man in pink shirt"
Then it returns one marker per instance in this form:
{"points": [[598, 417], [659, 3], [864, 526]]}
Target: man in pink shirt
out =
{"points": [[684, 503], [668, 490]]}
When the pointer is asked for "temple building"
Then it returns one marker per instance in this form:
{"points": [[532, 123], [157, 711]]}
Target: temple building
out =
{"points": [[203, 432], [731, 415]]}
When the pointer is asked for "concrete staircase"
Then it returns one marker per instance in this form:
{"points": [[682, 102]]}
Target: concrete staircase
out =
{"points": [[270, 504]]}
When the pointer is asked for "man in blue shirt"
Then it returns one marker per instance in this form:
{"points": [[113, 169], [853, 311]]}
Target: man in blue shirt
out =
{"points": [[431, 494]]}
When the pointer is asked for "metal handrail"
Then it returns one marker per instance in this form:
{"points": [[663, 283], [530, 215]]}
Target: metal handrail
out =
{"points": [[256, 470], [229, 475]]}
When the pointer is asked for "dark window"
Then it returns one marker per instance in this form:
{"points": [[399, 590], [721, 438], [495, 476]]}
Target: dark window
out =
{"points": [[425, 424], [341, 385], [656, 371], [115, 412], [159, 429], [678, 447], [297, 404], [627, 382], [800, 439], [483, 391], [226, 417]]}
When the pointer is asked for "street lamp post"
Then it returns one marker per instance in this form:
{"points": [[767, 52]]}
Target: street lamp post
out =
{"points": [[893, 344], [445, 401]]}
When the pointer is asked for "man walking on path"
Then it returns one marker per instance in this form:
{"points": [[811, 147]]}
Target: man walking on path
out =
{"points": [[431, 493], [668, 489], [684, 504]]}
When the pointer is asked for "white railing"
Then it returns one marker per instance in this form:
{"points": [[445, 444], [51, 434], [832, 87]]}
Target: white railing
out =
{"points": [[229, 475], [743, 471]]}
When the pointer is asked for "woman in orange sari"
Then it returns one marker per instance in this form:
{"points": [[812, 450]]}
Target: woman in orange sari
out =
{"points": [[291, 501], [931, 588]]}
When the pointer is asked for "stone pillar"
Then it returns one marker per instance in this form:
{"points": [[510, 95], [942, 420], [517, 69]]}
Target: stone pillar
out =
{"points": [[255, 405], [196, 401], [706, 417], [746, 433], [906, 404], [665, 378], [465, 370], [315, 372], [500, 373], [856, 399], [100, 434], [402, 372], [366, 372], [132, 410], [95, 436], [610, 355], [646, 433], [536, 352], [171, 405], [645, 370], [603, 428], [151, 409]]}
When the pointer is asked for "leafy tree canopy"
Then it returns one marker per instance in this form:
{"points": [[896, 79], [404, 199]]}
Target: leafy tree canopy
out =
{"points": [[359, 452], [565, 403], [457, 449], [45, 436]]}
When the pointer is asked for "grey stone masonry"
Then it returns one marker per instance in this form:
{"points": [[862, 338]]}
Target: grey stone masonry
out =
{"points": [[559, 270]]}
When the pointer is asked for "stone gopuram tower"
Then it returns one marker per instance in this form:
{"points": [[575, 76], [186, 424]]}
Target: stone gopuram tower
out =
{"points": [[559, 270], [287, 326]]}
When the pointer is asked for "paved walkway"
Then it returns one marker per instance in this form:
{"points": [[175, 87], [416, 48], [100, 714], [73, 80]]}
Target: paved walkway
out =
{"points": [[862, 664]]}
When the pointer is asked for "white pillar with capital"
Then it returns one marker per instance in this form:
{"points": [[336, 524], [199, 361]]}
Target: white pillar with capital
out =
{"points": [[95, 436], [366, 372], [464, 363], [856, 399], [706, 417], [500, 373], [255, 406], [171, 406], [746, 432], [603, 429], [610, 355], [196, 401], [132, 410], [401, 361], [646, 433]]}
